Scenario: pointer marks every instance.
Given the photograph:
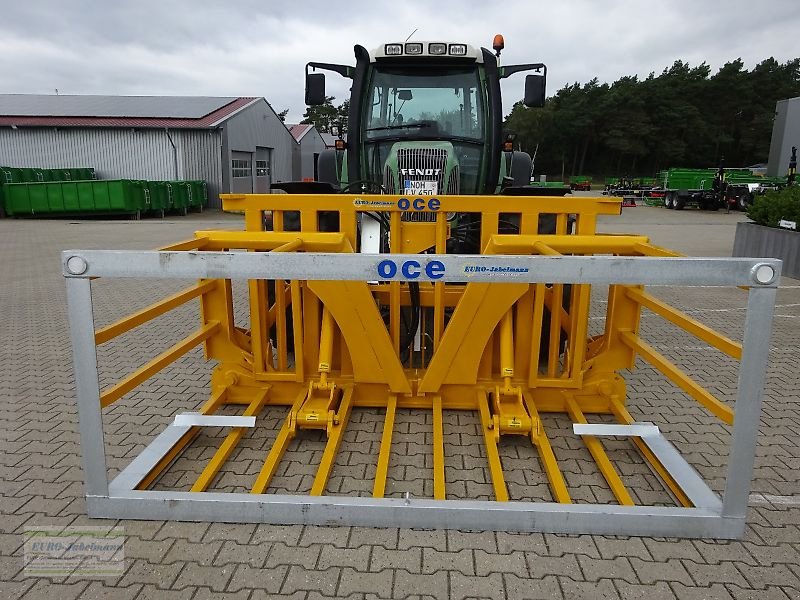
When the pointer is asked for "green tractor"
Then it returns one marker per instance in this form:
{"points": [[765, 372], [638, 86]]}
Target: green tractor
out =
{"points": [[426, 118]]}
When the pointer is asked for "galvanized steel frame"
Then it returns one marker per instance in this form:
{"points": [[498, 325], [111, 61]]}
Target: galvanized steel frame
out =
{"points": [[710, 517]]}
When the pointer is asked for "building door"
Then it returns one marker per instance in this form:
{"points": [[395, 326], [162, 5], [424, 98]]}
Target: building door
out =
{"points": [[241, 173], [263, 170]]}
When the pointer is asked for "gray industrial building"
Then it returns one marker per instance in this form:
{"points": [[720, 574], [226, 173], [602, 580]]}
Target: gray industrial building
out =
{"points": [[234, 144], [785, 134], [311, 145]]}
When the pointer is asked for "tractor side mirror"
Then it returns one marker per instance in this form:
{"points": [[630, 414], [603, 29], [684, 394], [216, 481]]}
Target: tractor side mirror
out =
{"points": [[315, 89], [534, 91], [405, 95]]}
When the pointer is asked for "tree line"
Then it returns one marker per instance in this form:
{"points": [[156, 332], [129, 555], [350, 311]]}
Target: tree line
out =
{"points": [[684, 117]]}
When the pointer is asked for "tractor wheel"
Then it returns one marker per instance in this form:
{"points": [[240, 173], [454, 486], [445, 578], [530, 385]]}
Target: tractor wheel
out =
{"points": [[669, 200], [680, 203]]}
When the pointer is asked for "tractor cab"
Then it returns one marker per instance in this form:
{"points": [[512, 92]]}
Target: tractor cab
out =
{"points": [[425, 119]]}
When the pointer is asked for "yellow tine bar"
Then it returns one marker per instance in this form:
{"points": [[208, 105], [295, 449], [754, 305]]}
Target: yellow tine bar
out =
{"points": [[209, 406], [536, 335], [289, 246], [143, 373], [334, 441], [623, 416], [438, 450], [548, 459], [253, 219], [696, 328], [651, 250], [195, 243], [297, 327], [279, 446], [438, 287], [678, 377], [394, 287], [154, 310], [545, 250], [229, 444], [492, 454], [507, 345], [555, 329], [382, 469], [578, 340], [601, 458], [280, 324]]}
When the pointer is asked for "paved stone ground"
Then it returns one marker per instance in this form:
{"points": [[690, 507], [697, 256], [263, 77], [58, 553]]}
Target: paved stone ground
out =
{"points": [[41, 480]]}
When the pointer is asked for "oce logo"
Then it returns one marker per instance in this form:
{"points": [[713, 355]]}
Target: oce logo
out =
{"points": [[418, 204], [410, 269]]}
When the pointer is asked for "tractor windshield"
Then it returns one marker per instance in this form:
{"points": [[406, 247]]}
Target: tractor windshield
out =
{"points": [[425, 104]]}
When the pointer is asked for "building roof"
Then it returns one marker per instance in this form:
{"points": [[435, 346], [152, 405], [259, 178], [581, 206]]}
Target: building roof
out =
{"points": [[298, 131], [186, 112]]}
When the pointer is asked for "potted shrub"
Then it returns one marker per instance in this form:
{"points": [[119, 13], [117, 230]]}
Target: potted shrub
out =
{"points": [[766, 237]]}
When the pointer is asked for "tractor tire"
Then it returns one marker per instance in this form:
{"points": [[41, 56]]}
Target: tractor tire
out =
{"points": [[680, 203], [669, 202]]}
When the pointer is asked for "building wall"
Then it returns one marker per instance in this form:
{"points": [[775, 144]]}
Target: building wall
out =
{"points": [[119, 153], [785, 134], [311, 143], [258, 132]]}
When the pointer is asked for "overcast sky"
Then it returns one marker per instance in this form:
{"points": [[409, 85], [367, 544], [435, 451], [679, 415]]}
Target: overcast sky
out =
{"points": [[259, 48]]}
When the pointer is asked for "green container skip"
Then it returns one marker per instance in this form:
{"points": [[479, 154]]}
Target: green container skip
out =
{"points": [[112, 196], [159, 197], [199, 194], [179, 194]]}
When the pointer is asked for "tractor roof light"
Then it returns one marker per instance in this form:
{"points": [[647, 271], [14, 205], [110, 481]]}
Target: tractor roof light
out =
{"points": [[393, 49], [414, 48], [437, 48], [458, 49], [498, 44]]}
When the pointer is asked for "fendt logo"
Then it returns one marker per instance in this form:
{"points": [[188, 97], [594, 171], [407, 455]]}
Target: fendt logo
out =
{"points": [[410, 269], [422, 172]]}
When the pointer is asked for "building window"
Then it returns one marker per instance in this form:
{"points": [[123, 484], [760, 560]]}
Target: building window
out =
{"points": [[241, 168], [262, 168]]}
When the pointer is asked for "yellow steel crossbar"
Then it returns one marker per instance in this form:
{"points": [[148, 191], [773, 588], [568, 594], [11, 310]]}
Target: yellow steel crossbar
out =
{"points": [[696, 328], [678, 377], [143, 373], [210, 406], [382, 468], [279, 446], [560, 244], [439, 492], [600, 457], [229, 443], [276, 241], [335, 435], [492, 453], [196, 243], [140, 317], [548, 459], [624, 416]]}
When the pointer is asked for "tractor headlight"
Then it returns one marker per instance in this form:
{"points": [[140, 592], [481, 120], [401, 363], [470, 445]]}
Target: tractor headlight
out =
{"points": [[437, 48], [414, 48], [393, 49], [458, 49]]}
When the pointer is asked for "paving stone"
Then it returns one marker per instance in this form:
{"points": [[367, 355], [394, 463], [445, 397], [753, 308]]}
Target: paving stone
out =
{"points": [[669, 570], [357, 558], [194, 574], [422, 538], [352, 581], [159, 575], [617, 568], [514, 562], [584, 590], [714, 592], [98, 591], [408, 584], [281, 554], [410, 560], [462, 561], [324, 582], [487, 586], [269, 580], [518, 588], [659, 590], [253, 554], [771, 593]]}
